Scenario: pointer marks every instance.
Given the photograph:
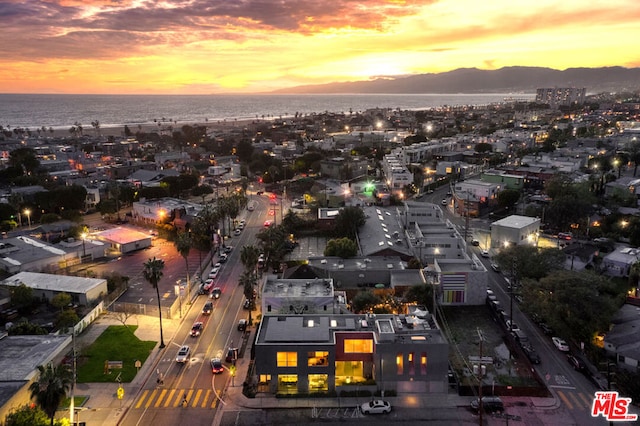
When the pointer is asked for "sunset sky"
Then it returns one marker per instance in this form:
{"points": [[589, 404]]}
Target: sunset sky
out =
{"points": [[249, 46]]}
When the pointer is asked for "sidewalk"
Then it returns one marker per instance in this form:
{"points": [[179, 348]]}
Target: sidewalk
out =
{"points": [[103, 408]]}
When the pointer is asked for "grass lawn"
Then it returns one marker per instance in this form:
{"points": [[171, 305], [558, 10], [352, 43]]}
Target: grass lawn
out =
{"points": [[116, 343], [78, 401]]}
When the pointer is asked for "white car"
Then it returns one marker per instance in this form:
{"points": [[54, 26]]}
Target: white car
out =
{"points": [[237, 232], [214, 273], [511, 325], [485, 253], [208, 284], [183, 354], [377, 406], [560, 344]]}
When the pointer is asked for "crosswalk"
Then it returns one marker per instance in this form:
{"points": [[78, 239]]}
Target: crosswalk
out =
{"points": [[173, 398], [575, 400]]}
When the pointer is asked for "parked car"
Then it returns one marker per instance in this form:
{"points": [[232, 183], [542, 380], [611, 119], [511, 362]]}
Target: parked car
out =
{"points": [[237, 231], [444, 202], [495, 267], [196, 329], [511, 325], [208, 284], [216, 293], [531, 354], [207, 308], [560, 344], [490, 404], [484, 253], [377, 406], [242, 324], [576, 363], [214, 274], [183, 354], [227, 249], [223, 258], [216, 366], [546, 329], [475, 243], [232, 354], [246, 304]]}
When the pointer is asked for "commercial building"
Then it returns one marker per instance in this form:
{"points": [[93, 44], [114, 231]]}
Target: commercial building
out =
{"points": [[83, 291], [515, 229]]}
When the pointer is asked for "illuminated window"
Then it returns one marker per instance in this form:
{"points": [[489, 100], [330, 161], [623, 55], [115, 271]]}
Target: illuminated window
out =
{"points": [[318, 382], [423, 363], [412, 364], [287, 359], [317, 359], [264, 378], [361, 346], [400, 364]]}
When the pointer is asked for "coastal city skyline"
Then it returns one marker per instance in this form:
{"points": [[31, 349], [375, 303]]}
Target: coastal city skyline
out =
{"points": [[74, 47]]}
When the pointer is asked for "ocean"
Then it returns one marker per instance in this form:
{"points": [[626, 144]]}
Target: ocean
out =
{"points": [[32, 112]]}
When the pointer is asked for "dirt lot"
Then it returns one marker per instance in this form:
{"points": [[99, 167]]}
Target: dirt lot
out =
{"points": [[505, 364]]}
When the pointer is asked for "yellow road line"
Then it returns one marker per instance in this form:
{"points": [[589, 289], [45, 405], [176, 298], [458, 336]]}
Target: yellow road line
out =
{"points": [[178, 400], [144, 395], [214, 402], [575, 399], [206, 398], [169, 398], [194, 404], [159, 401], [189, 393], [565, 400], [586, 400], [151, 398]]}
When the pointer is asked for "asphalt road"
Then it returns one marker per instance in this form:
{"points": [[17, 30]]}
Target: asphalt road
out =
{"points": [[161, 405]]}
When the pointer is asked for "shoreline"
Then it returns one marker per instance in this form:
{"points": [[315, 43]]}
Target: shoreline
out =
{"points": [[117, 130]]}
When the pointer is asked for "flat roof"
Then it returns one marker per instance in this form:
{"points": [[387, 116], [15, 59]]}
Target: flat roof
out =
{"points": [[122, 235], [20, 356], [277, 287], [516, 221], [62, 283], [321, 328]]}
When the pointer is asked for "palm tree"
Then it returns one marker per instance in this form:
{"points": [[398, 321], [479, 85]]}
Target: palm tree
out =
{"points": [[249, 258], [51, 388], [153, 273], [183, 246]]}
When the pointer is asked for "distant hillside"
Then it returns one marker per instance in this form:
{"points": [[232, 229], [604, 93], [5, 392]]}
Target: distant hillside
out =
{"points": [[503, 80]]}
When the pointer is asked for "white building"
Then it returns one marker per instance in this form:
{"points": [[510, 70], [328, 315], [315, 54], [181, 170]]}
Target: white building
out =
{"points": [[83, 291], [515, 229]]}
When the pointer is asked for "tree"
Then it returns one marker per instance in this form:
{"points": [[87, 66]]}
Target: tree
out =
{"points": [[523, 261], [249, 258], [508, 197], [342, 247], [152, 273], [183, 246], [577, 304], [364, 301], [420, 294], [51, 387], [22, 298], [348, 221], [26, 328], [28, 415], [61, 300], [67, 318]]}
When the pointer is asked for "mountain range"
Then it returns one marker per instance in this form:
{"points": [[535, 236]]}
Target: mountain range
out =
{"points": [[503, 80]]}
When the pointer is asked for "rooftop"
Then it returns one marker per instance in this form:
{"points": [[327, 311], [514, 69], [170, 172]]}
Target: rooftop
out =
{"points": [[321, 329], [62, 283]]}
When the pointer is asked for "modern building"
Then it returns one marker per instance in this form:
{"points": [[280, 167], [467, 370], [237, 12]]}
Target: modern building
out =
{"points": [[515, 229], [123, 240], [326, 353]]}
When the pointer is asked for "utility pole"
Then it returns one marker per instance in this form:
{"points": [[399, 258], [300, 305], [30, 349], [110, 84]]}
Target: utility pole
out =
{"points": [[479, 370]]}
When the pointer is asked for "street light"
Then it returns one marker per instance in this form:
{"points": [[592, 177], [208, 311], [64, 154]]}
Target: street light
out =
{"points": [[84, 249], [28, 213]]}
